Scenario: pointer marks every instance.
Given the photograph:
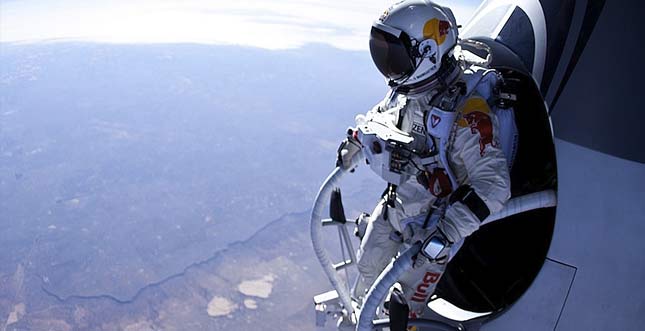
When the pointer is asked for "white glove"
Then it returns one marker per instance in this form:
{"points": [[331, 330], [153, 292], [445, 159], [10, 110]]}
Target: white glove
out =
{"points": [[347, 149]]}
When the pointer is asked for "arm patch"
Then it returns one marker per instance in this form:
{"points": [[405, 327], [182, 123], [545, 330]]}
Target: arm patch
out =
{"points": [[475, 114]]}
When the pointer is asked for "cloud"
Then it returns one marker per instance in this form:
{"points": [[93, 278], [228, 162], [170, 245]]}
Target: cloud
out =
{"points": [[276, 24]]}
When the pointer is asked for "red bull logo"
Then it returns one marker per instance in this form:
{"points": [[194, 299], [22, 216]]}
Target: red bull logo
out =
{"points": [[475, 115], [444, 28], [439, 183], [480, 122], [437, 30], [421, 293]]}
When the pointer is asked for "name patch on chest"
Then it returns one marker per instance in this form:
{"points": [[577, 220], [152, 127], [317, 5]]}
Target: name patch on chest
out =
{"points": [[418, 128]]}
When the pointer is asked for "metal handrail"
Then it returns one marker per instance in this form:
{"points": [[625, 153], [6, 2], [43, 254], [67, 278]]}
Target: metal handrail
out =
{"points": [[323, 196]]}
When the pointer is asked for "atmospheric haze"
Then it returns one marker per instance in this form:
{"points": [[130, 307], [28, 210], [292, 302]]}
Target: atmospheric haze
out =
{"points": [[267, 24], [152, 178]]}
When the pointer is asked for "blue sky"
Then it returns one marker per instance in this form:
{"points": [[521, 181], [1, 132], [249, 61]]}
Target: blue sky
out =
{"points": [[276, 24]]}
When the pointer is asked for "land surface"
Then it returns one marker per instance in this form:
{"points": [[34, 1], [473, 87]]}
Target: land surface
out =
{"points": [[166, 187]]}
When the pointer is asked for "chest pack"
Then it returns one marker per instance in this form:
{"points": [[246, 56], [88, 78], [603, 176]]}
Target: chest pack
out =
{"points": [[405, 139]]}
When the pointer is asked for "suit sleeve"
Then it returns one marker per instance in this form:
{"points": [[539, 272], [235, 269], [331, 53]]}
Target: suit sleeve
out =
{"points": [[477, 153]]}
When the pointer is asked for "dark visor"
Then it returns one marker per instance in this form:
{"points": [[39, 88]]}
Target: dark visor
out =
{"points": [[390, 49]]}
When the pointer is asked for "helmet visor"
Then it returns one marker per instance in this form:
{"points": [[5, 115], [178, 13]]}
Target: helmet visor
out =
{"points": [[390, 50]]}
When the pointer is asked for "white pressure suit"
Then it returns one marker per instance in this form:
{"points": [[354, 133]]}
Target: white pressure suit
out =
{"points": [[475, 157]]}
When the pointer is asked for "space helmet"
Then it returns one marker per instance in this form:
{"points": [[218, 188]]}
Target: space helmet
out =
{"points": [[411, 43]]}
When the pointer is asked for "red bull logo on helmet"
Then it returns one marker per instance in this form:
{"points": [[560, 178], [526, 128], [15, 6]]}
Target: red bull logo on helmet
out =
{"points": [[436, 29]]}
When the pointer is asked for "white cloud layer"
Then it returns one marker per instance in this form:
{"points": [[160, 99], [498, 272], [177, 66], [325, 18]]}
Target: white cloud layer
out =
{"points": [[260, 23]]}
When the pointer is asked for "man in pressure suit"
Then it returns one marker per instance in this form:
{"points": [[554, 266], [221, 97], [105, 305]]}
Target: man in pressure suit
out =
{"points": [[435, 139]]}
